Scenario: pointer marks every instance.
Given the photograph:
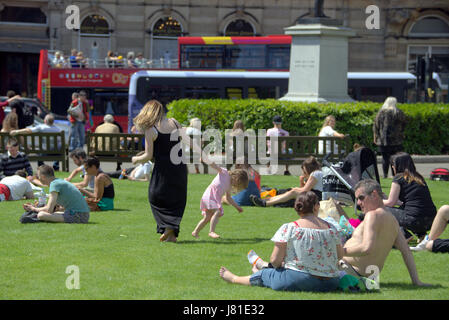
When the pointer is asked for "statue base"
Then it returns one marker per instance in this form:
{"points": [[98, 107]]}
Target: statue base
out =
{"points": [[325, 21], [318, 62]]}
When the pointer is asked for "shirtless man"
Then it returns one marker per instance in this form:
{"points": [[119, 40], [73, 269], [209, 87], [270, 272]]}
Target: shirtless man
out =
{"points": [[374, 238]]}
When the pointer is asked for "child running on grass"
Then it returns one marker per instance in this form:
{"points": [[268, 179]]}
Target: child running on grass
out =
{"points": [[211, 206]]}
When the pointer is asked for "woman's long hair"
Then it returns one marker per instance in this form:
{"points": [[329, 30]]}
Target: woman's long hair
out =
{"points": [[327, 120], [310, 165], [404, 165], [390, 104], [10, 122], [150, 115]]}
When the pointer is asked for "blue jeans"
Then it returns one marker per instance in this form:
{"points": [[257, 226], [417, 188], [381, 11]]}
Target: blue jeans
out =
{"points": [[291, 280], [77, 135]]}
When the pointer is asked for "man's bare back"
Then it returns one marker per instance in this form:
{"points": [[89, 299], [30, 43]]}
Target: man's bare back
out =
{"points": [[386, 231]]}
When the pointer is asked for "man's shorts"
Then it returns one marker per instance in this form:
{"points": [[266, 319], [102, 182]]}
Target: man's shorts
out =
{"points": [[71, 216], [5, 193]]}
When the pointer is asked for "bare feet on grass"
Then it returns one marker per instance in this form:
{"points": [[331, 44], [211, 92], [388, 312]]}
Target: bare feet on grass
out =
{"points": [[226, 275], [213, 235], [195, 235], [168, 234]]}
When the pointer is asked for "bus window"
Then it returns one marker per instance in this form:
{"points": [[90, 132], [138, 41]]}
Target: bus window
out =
{"points": [[199, 92], [271, 92], [375, 94], [278, 57], [245, 57], [234, 93], [147, 91], [201, 57], [110, 103]]}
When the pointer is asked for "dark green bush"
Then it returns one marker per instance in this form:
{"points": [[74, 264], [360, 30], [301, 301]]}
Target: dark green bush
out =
{"points": [[427, 131]]}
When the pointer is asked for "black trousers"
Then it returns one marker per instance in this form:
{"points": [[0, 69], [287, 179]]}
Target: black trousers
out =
{"points": [[440, 245], [387, 152]]}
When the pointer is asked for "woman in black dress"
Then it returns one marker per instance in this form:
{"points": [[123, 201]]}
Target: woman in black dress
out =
{"points": [[167, 192]]}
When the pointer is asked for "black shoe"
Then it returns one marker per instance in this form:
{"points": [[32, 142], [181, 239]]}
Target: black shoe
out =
{"points": [[29, 217], [287, 173], [258, 202]]}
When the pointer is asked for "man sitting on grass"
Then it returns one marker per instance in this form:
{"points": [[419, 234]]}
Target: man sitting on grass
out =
{"points": [[374, 238], [65, 204]]}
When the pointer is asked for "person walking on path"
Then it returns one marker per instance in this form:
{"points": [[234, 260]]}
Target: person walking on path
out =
{"points": [[388, 131], [167, 191]]}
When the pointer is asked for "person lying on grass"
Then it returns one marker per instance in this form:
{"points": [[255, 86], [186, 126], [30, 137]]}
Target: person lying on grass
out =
{"points": [[432, 242], [65, 203], [103, 196], [311, 172], [305, 254]]}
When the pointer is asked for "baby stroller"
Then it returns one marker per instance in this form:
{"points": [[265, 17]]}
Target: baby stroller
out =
{"points": [[339, 180]]}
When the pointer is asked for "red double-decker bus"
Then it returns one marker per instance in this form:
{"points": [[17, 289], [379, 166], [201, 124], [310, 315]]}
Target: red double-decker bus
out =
{"points": [[106, 88], [270, 53]]}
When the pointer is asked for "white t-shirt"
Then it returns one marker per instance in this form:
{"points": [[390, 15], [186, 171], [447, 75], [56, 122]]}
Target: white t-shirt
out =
{"points": [[45, 128], [142, 170], [318, 175], [18, 186], [326, 132]]}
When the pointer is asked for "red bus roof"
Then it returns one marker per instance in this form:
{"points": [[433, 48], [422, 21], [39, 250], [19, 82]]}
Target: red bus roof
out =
{"points": [[273, 39]]}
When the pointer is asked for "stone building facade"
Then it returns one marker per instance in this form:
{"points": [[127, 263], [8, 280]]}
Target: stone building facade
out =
{"points": [[407, 28]]}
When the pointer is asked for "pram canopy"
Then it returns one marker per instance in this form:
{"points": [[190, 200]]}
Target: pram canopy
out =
{"points": [[339, 180]]}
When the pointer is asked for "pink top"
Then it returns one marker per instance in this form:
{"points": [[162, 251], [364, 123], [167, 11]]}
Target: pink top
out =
{"points": [[212, 196], [276, 132]]}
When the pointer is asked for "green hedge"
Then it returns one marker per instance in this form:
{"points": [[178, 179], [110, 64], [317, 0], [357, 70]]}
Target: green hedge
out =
{"points": [[427, 130]]}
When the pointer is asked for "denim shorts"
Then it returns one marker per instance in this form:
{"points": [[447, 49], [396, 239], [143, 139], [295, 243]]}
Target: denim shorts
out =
{"points": [[290, 280]]}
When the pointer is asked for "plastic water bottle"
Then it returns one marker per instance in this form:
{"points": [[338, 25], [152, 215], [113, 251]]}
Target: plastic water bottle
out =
{"points": [[42, 199], [123, 174]]}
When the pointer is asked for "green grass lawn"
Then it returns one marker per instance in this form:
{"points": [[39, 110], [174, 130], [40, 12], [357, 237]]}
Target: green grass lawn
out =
{"points": [[119, 255]]}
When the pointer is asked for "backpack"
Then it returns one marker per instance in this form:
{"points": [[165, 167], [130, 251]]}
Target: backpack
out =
{"points": [[28, 115], [439, 174]]}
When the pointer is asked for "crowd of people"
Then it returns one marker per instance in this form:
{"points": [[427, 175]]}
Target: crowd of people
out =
{"points": [[78, 59], [308, 253]]}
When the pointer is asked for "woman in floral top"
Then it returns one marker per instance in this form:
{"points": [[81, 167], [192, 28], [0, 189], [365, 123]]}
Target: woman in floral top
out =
{"points": [[305, 254]]}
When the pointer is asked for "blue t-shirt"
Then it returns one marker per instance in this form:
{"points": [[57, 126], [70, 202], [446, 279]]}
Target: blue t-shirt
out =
{"points": [[242, 198], [69, 196]]}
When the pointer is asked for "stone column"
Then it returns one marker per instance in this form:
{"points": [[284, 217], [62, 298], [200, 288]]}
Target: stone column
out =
{"points": [[318, 63]]}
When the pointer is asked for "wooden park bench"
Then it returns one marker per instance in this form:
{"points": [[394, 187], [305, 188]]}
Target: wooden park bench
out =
{"points": [[118, 147], [297, 149], [41, 146], [114, 147]]}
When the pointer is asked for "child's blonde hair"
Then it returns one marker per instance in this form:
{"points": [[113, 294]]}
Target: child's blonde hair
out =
{"points": [[239, 179]]}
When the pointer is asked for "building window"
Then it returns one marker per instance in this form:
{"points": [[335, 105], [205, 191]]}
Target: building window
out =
{"points": [[239, 27], [95, 24], [164, 42], [23, 15], [167, 27], [430, 27]]}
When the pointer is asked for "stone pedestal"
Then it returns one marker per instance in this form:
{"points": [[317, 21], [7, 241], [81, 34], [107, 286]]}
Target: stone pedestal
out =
{"points": [[318, 63]]}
